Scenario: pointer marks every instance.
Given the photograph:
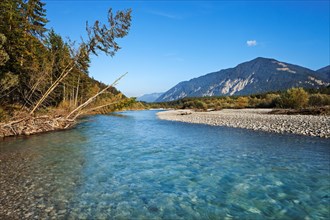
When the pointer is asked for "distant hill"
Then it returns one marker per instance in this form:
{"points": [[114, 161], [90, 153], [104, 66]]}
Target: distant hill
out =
{"points": [[325, 70], [256, 76], [149, 97]]}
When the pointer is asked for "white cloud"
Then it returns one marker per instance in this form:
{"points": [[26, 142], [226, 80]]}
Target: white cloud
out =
{"points": [[251, 43]]}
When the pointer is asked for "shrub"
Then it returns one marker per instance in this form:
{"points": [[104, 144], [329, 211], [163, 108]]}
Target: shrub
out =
{"points": [[227, 102], [254, 102], [3, 114], [200, 105], [319, 99], [293, 98], [269, 101], [242, 102], [188, 105]]}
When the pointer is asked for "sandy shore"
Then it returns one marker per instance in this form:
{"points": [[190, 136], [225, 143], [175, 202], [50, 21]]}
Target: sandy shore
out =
{"points": [[255, 119]]}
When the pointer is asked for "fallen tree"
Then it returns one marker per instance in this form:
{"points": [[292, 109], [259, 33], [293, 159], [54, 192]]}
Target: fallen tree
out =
{"points": [[75, 112], [33, 125], [101, 38]]}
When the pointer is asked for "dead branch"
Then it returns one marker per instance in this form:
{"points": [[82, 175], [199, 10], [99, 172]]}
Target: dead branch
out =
{"points": [[54, 85], [100, 38], [93, 97], [93, 109]]}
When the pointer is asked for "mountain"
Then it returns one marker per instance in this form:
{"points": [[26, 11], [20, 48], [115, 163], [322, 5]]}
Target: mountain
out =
{"points": [[325, 71], [256, 76], [149, 97]]}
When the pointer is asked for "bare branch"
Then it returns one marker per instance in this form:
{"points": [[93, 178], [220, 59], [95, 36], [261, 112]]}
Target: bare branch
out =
{"points": [[98, 107], [93, 97], [100, 38]]}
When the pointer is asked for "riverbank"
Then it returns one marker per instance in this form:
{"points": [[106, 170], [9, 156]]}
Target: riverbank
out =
{"points": [[22, 123], [255, 119], [33, 125]]}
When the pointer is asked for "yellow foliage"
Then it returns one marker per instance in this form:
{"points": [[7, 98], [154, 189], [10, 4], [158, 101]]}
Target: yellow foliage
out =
{"points": [[242, 102], [295, 98]]}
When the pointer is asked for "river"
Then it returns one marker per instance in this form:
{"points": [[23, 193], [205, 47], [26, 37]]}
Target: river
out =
{"points": [[131, 165]]}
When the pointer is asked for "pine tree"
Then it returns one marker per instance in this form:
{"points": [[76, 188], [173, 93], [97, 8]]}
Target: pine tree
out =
{"points": [[35, 17], [3, 54], [11, 27], [37, 68], [24, 27]]}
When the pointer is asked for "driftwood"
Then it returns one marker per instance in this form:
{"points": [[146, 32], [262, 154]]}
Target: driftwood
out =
{"points": [[101, 38], [33, 125], [185, 113]]}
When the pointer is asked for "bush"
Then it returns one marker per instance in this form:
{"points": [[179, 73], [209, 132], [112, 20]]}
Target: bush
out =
{"points": [[319, 99], [254, 102], [200, 105], [242, 102], [227, 102], [3, 114], [293, 98], [188, 105], [269, 101]]}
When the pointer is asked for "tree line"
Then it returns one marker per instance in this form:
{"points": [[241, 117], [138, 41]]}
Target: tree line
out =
{"points": [[294, 98], [40, 71]]}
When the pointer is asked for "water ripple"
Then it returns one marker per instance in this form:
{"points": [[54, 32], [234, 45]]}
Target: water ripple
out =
{"points": [[132, 165]]}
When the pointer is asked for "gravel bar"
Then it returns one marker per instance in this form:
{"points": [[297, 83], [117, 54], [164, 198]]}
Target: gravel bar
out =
{"points": [[255, 119]]}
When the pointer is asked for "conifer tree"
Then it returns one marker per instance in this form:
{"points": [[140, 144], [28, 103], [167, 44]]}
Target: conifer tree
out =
{"points": [[23, 26], [3, 54], [37, 68], [11, 27], [35, 17]]}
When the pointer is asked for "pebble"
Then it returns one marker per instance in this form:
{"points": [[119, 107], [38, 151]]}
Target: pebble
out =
{"points": [[256, 119], [49, 209], [41, 206]]}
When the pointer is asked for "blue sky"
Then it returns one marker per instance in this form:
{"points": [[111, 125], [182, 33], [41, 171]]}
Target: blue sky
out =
{"points": [[173, 41]]}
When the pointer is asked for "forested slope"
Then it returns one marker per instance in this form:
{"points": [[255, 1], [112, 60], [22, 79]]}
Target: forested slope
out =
{"points": [[41, 73]]}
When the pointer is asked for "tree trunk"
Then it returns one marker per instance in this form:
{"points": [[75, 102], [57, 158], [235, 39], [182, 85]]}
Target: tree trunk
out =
{"points": [[77, 92], [93, 97]]}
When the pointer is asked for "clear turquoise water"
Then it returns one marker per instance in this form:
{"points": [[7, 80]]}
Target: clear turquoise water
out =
{"points": [[132, 165]]}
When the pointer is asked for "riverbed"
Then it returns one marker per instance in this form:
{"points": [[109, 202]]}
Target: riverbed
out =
{"points": [[255, 119], [132, 165]]}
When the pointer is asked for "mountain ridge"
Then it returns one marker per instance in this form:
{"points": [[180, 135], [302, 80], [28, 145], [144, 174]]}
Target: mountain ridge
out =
{"points": [[149, 97], [325, 70], [256, 76]]}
